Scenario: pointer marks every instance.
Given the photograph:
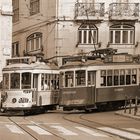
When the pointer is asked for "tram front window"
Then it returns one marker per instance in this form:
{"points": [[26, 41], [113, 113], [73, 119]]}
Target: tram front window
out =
{"points": [[6, 81], [26, 80], [15, 81]]}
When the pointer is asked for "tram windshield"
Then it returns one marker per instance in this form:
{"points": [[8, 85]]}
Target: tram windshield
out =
{"points": [[15, 81], [6, 81], [26, 80]]}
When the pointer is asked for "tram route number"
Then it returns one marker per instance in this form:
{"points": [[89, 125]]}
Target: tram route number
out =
{"points": [[23, 100]]}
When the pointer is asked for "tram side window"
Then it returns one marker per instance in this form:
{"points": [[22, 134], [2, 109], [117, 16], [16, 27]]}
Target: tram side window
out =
{"points": [[103, 78], [116, 77], [80, 78], [15, 81], [55, 82], [128, 76], [26, 80], [134, 76], [46, 81], [49, 81], [91, 77], [62, 79], [52, 81], [69, 78], [109, 78], [6, 81], [122, 77]]}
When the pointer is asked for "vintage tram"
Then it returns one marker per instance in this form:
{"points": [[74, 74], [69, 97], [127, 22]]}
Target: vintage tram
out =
{"points": [[29, 84], [89, 82]]}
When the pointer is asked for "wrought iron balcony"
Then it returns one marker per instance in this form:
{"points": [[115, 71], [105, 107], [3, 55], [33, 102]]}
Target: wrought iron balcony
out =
{"points": [[89, 11], [124, 11]]}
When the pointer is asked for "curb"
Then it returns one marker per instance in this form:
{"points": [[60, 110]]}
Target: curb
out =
{"points": [[137, 117]]}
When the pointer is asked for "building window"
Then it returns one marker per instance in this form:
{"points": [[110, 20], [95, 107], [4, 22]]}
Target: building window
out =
{"points": [[15, 49], [15, 4], [122, 34], [34, 7], [34, 42], [87, 34]]}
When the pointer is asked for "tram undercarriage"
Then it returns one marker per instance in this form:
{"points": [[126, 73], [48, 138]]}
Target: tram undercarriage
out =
{"points": [[28, 111]]}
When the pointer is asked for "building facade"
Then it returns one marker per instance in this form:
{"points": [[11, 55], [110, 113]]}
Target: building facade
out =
{"points": [[59, 28], [5, 32]]}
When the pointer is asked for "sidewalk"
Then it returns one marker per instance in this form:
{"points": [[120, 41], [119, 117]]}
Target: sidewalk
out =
{"points": [[129, 114]]}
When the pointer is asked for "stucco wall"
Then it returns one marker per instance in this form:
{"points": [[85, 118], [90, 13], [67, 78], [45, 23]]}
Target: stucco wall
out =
{"points": [[5, 32]]}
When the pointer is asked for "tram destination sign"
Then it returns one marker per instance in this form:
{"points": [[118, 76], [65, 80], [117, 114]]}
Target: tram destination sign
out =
{"points": [[119, 58]]}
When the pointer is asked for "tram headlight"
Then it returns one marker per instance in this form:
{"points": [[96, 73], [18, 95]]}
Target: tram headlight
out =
{"points": [[14, 100]]}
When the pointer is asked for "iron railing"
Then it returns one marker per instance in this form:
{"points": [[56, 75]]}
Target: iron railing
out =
{"points": [[124, 9], [89, 9]]}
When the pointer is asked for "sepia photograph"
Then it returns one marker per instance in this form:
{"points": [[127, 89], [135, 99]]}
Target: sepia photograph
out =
{"points": [[70, 69]]}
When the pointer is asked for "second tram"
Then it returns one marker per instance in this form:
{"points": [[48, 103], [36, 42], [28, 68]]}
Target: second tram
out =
{"points": [[30, 84], [96, 83]]}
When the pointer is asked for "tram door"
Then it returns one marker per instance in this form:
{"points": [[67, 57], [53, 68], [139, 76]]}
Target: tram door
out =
{"points": [[35, 86], [92, 84]]}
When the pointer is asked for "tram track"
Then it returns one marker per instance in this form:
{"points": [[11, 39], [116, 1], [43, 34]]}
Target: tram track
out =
{"points": [[81, 119], [35, 124], [10, 118]]}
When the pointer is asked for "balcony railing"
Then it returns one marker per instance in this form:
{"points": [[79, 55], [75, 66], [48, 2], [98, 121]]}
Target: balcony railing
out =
{"points": [[124, 11], [89, 11]]}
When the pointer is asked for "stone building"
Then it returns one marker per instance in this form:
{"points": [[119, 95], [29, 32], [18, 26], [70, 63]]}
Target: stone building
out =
{"points": [[68, 27], [5, 32]]}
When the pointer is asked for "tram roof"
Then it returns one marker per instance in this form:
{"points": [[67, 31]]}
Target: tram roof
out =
{"points": [[73, 64], [97, 62], [32, 66]]}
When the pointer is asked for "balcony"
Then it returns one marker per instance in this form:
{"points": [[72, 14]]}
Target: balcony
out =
{"points": [[124, 11], [89, 11]]}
